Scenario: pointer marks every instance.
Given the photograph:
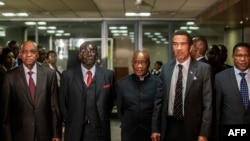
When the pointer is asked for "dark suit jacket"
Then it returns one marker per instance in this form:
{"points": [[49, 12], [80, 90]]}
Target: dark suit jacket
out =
{"points": [[72, 100], [204, 60], [21, 119], [135, 101], [229, 106], [197, 103]]}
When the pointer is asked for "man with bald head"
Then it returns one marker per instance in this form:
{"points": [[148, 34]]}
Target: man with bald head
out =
{"points": [[29, 100], [135, 99], [86, 98]]}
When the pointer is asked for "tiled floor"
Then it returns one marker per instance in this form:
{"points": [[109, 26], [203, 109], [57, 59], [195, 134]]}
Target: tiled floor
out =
{"points": [[115, 130]]}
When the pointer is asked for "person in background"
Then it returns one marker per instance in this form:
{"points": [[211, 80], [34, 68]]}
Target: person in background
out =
{"points": [[223, 56], [42, 55], [14, 46], [86, 96], [51, 59], [183, 104], [199, 48], [157, 68], [232, 103], [29, 101], [135, 99], [7, 60]]}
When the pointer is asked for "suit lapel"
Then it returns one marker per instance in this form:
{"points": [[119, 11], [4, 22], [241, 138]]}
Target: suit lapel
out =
{"points": [[79, 80], [191, 74], [40, 82], [99, 80], [234, 85], [21, 80], [169, 73]]}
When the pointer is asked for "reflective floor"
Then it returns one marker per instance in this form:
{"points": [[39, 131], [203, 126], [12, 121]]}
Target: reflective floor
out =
{"points": [[115, 129]]}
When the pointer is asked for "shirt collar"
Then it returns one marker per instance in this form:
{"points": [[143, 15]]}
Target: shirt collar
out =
{"points": [[184, 64], [84, 70], [34, 69], [237, 71]]}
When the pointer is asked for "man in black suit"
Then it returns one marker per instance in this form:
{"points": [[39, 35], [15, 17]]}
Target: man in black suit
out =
{"points": [[199, 48], [29, 101], [86, 98], [183, 105], [135, 99], [230, 108]]}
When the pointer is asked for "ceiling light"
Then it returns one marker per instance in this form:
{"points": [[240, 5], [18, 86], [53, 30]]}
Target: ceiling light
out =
{"points": [[42, 27], [2, 3], [51, 31], [112, 27], [8, 14], [123, 27], [133, 14], [66, 34], [51, 27], [15, 14], [183, 27], [58, 34], [60, 31], [194, 27], [30, 23], [41, 23], [22, 14], [190, 23]]}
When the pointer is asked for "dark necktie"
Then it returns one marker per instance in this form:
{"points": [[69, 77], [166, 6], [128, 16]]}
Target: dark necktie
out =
{"points": [[32, 87], [177, 113], [244, 90], [89, 79]]}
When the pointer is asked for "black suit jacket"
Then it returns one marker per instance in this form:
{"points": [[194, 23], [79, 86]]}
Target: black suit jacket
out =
{"points": [[197, 103], [135, 101], [72, 100], [21, 119]]}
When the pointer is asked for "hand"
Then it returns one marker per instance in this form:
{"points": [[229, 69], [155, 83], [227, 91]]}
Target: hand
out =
{"points": [[155, 136], [202, 138], [56, 139]]}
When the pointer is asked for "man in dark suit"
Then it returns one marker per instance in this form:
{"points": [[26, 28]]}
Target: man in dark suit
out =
{"points": [[199, 48], [183, 105], [29, 101], [86, 98], [135, 99], [231, 107]]}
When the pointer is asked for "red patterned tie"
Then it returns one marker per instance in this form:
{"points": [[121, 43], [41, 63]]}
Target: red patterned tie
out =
{"points": [[89, 79], [32, 87]]}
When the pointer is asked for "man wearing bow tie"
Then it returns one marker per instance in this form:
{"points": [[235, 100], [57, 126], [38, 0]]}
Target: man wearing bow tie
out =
{"points": [[183, 105], [86, 98]]}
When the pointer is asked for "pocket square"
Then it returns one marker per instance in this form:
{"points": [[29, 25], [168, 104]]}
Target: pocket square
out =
{"points": [[106, 86], [195, 78]]}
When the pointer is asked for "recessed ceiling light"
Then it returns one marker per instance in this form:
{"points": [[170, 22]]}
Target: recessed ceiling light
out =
{"points": [[30, 23], [133, 14]]}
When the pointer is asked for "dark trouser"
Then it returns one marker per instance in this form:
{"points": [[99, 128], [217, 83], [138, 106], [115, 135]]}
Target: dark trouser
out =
{"points": [[175, 130], [93, 134]]}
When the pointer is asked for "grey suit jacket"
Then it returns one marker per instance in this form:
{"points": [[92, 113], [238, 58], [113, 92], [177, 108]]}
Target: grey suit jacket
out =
{"points": [[197, 103], [21, 119], [72, 100], [229, 106]]}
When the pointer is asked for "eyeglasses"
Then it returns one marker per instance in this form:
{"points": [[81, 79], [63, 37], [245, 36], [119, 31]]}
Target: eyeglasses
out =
{"points": [[137, 62], [241, 56], [88, 52], [28, 51]]}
